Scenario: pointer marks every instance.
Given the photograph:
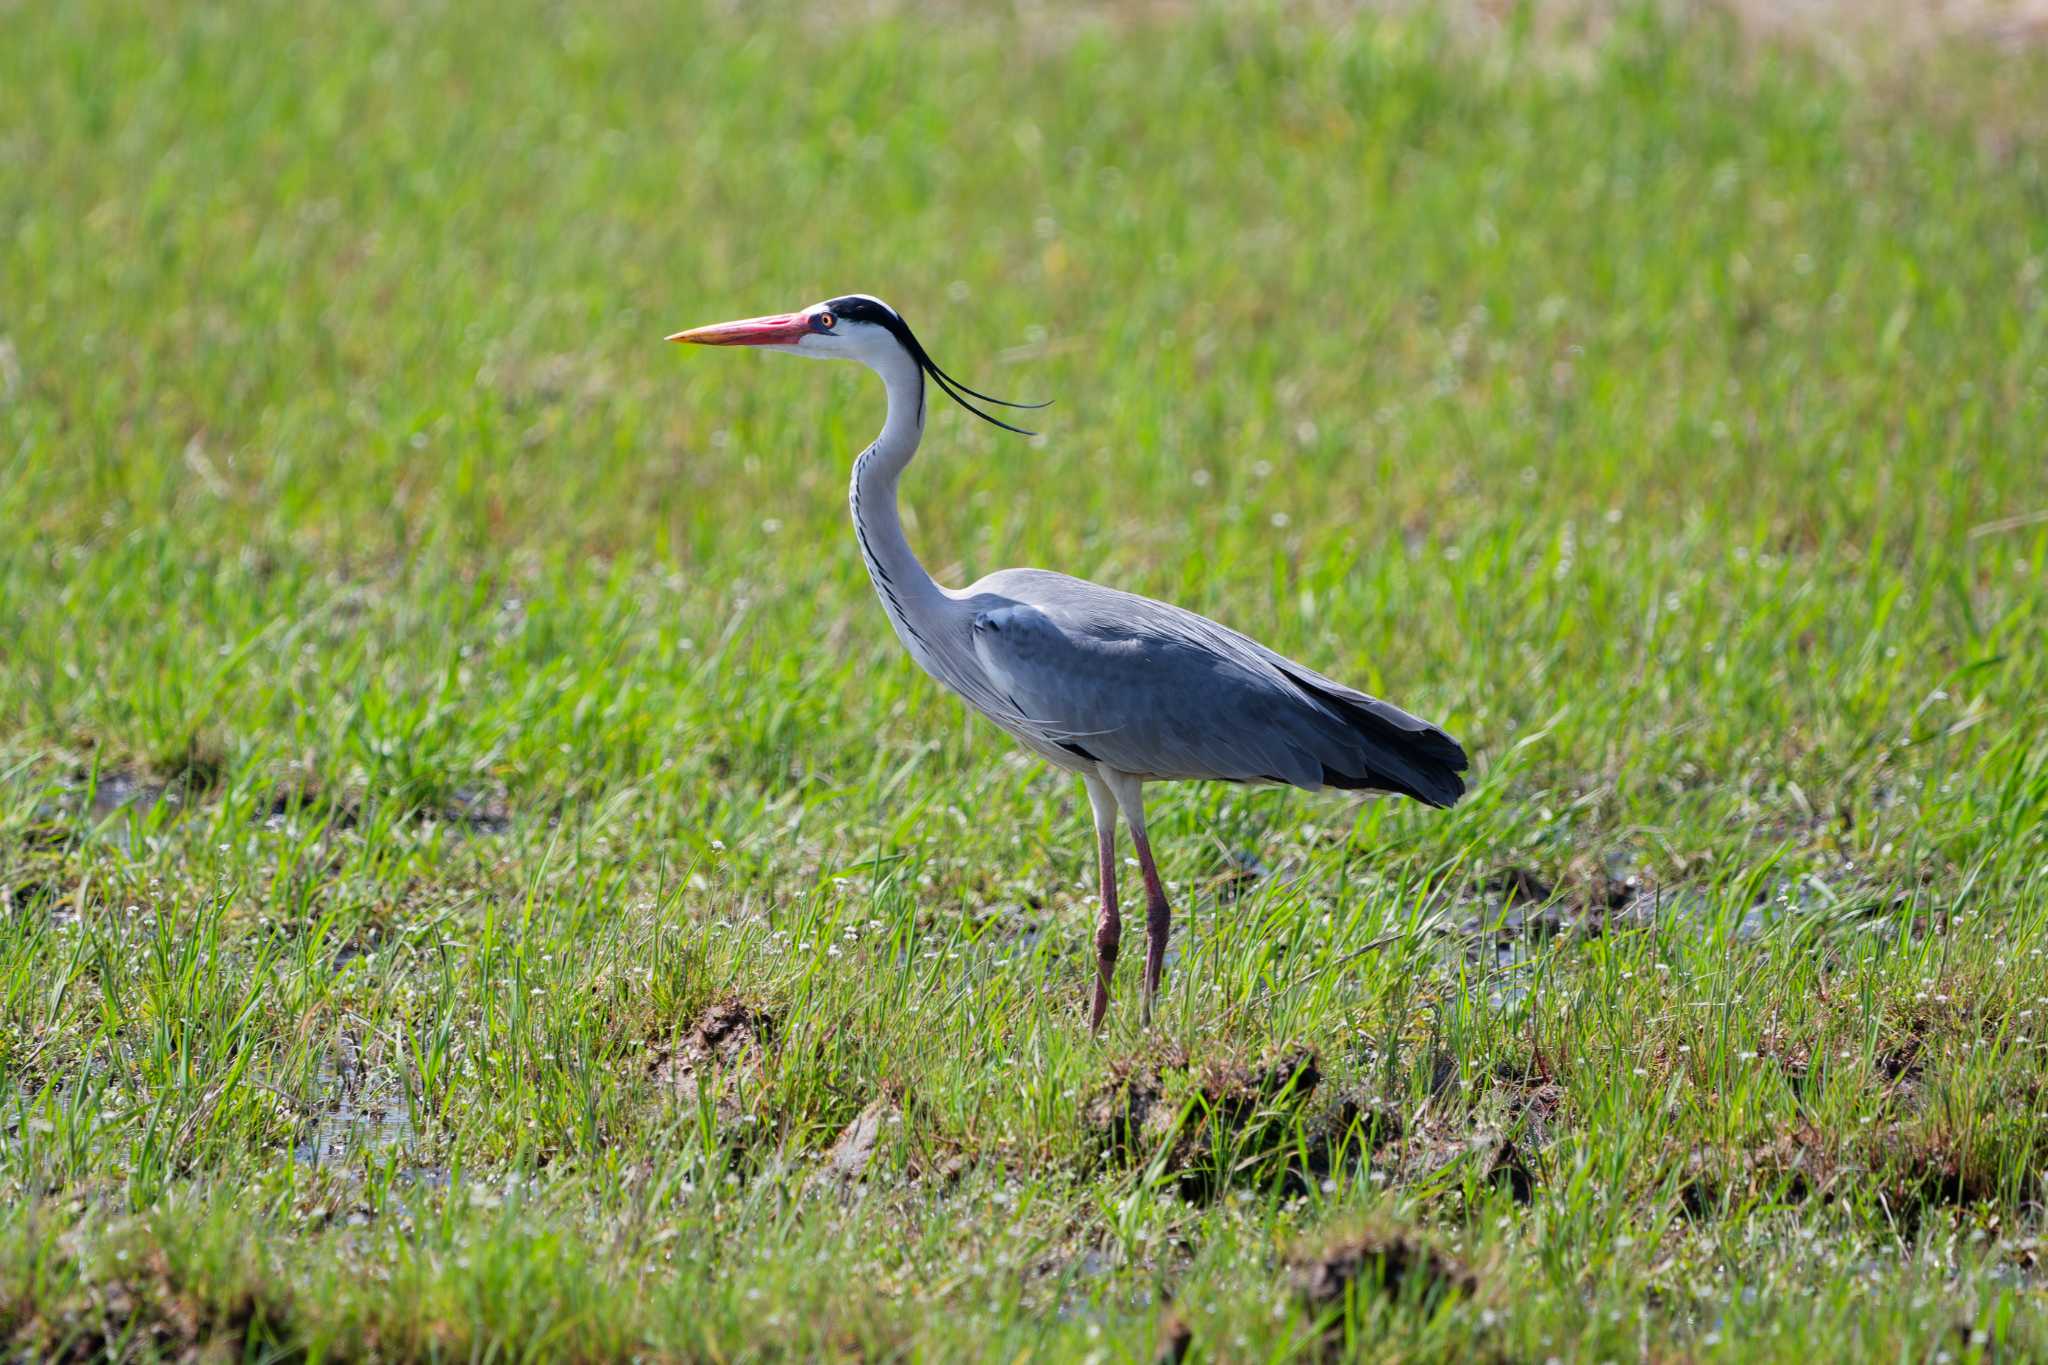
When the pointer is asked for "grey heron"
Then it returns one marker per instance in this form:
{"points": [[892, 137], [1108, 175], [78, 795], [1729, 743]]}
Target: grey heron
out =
{"points": [[1119, 689]]}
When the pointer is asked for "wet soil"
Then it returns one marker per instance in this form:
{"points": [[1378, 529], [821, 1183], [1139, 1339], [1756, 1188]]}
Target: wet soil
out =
{"points": [[1394, 1264], [729, 1036], [1229, 1124]]}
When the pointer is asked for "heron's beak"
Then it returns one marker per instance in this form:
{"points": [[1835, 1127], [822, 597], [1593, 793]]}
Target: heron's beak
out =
{"points": [[781, 329]]}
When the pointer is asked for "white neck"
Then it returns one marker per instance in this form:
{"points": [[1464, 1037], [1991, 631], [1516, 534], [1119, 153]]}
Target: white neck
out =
{"points": [[908, 594]]}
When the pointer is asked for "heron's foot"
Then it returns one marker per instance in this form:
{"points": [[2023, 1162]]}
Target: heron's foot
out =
{"points": [[1108, 934], [1158, 924]]}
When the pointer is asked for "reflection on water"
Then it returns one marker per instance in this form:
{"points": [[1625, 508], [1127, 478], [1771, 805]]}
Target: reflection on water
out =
{"points": [[354, 1113]]}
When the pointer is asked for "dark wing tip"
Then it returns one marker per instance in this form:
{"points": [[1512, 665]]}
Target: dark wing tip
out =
{"points": [[1437, 787]]}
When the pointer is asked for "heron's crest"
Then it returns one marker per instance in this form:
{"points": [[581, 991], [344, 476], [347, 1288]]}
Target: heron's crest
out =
{"points": [[867, 308]]}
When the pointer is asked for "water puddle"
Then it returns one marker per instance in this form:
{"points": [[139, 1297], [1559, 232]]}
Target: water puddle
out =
{"points": [[119, 803], [355, 1113], [1520, 914], [116, 803], [119, 791], [467, 810], [1104, 1286]]}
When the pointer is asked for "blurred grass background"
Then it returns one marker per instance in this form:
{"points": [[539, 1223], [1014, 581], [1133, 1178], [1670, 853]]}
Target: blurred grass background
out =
{"points": [[1656, 396]]}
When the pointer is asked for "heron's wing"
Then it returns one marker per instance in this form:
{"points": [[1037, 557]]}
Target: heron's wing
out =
{"points": [[1155, 690]]}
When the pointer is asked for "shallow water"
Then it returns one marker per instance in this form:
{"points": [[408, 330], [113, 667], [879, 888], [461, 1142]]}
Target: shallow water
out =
{"points": [[355, 1113]]}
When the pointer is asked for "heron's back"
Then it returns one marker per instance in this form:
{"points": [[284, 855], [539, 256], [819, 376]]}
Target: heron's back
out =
{"points": [[1157, 691]]}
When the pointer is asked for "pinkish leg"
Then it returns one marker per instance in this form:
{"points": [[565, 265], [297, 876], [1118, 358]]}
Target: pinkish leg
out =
{"points": [[1109, 928], [1158, 920]]}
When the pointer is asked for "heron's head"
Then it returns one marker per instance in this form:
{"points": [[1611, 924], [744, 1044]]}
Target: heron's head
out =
{"points": [[852, 327]]}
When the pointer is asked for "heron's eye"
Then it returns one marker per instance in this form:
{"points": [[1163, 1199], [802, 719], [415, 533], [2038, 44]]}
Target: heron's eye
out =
{"points": [[827, 321]]}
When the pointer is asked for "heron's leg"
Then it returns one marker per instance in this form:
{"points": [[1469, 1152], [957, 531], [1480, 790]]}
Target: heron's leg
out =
{"points": [[1109, 929], [1130, 795]]}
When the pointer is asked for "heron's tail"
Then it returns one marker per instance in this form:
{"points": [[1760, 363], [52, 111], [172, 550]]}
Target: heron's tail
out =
{"points": [[1394, 751]]}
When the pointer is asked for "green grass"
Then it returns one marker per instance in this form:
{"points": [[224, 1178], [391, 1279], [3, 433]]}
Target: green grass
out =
{"points": [[1660, 406]]}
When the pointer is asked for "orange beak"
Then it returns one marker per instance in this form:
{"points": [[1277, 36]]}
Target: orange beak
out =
{"points": [[779, 329]]}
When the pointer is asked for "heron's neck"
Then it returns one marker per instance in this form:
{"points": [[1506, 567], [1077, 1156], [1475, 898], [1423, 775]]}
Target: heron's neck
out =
{"points": [[908, 593]]}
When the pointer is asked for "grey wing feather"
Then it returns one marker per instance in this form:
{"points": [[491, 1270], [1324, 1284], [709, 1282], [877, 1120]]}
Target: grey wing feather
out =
{"points": [[1159, 692]]}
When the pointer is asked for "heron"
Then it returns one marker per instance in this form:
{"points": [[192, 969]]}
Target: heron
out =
{"points": [[1119, 689]]}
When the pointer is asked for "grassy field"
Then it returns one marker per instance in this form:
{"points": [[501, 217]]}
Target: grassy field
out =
{"points": [[479, 879]]}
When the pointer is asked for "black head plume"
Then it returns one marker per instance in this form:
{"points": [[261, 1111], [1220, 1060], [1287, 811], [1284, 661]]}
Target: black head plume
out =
{"points": [[861, 308]]}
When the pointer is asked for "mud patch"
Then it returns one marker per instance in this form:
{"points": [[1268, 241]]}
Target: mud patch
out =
{"points": [[1793, 1057], [1520, 886], [1497, 1134], [1532, 1093], [153, 1312], [728, 1030], [1911, 1174], [473, 812], [1918, 1173], [944, 1169], [1794, 1166], [1222, 1125], [728, 1035], [1175, 1339], [1502, 919], [1396, 1265], [712, 1079], [1430, 1157]]}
